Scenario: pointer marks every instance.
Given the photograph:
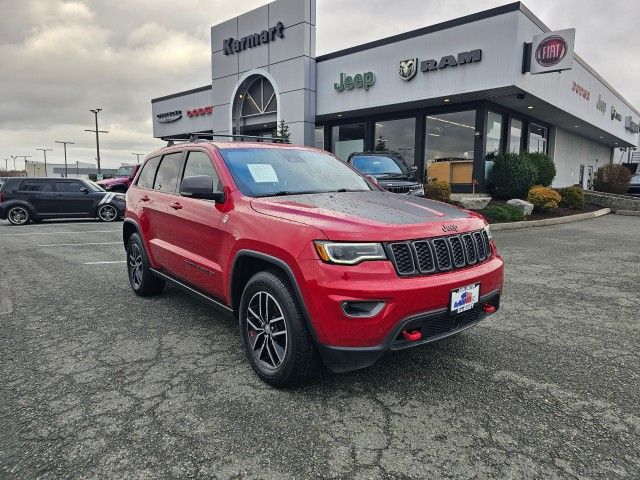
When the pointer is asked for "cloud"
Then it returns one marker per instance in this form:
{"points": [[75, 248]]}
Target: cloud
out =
{"points": [[59, 58]]}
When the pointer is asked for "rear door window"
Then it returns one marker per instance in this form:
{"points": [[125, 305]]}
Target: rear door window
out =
{"points": [[199, 163], [69, 187], [168, 173], [35, 186], [148, 173]]}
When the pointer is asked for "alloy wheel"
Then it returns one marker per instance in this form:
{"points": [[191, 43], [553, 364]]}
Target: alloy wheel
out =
{"points": [[18, 216], [135, 265], [107, 213], [266, 330]]}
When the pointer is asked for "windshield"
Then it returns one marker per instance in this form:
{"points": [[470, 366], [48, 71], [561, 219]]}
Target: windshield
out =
{"points": [[125, 172], [378, 165], [264, 172], [94, 186]]}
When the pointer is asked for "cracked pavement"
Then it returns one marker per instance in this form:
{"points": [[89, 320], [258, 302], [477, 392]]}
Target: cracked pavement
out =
{"points": [[97, 383]]}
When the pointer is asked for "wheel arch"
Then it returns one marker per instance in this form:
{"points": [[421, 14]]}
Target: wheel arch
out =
{"points": [[249, 262], [129, 227], [9, 204]]}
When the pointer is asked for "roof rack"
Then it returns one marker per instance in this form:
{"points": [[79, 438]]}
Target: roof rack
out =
{"points": [[203, 136]]}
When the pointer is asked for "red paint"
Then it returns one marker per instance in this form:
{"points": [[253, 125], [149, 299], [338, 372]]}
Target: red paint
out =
{"points": [[411, 335], [196, 245]]}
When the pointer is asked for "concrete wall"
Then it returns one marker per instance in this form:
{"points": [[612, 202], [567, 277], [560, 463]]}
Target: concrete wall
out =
{"points": [[569, 151]]}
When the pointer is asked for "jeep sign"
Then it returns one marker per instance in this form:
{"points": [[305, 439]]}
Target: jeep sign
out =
{"points": [[553, 51]]}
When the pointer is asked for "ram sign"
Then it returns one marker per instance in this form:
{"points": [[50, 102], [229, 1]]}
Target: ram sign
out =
{"points": [[553, 51]]}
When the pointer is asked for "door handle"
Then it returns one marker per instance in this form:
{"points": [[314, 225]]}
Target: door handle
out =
{"points": [[145, 199], [176, 206]]}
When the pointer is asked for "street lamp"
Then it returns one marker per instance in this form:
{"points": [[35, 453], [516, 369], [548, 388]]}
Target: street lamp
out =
{"points": [[44, 151], [95, 112], [138, 155], [6, 164], [25, 161], [65, 155]]}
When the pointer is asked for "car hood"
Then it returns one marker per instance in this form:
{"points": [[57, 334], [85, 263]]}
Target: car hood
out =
{"points": [[113, 181], [374, 215]]}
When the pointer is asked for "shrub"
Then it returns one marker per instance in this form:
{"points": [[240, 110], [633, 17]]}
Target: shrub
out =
{"points": [[572, 197], [503, 213], [437, 190], [545, 168], [544, 198], [612, 178], [512, 176]]}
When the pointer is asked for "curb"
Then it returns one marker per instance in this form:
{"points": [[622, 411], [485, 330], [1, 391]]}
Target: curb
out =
{"points": [[549, 221], [630, 213]]}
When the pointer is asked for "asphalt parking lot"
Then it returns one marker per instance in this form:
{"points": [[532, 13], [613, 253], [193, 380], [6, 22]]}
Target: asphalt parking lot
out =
{"points": [[96, 383]]}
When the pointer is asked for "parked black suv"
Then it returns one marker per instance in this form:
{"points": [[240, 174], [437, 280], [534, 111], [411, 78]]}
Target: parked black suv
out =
{"points": [[389, 169], [26, 199]]}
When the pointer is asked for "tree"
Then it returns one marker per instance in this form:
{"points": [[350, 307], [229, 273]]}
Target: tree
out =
{"points": [[282, 132], [381, 144]]}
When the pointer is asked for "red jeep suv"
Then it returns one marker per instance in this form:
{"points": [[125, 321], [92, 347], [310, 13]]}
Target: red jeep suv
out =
{"points": [[316, 262]]}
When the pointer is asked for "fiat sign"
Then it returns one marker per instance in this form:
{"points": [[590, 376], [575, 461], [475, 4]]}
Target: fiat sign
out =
{"points": [[553, 51]]}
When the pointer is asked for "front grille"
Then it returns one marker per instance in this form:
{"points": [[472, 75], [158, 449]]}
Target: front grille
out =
{"points": [[402, 258], [401, 190], [439, 254]]}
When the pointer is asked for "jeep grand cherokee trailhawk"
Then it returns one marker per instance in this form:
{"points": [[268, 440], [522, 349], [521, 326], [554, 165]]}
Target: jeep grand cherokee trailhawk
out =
{"points": [[315, 261]]}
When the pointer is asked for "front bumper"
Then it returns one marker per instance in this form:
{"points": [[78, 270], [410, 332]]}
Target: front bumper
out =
{"points": [[433, 325]]}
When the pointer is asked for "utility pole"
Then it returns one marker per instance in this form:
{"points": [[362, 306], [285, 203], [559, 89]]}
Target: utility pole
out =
{"points": [[77, 170], [25, 161], [138, 155], [64, 144], [44, 151], [96, 131]]}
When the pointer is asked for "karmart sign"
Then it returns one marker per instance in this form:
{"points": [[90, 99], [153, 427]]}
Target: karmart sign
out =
{"points": [[362, 81], [237, 45]]}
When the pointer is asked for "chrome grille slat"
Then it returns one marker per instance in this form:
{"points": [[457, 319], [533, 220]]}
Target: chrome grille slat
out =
{"points": [[441, 254]]}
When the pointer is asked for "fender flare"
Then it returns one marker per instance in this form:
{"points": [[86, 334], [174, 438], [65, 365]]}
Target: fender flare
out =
{"points": [[282, 265], [132, 223]]}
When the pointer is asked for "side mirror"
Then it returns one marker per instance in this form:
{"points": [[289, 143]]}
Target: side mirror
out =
{"points": [[200, 186]]}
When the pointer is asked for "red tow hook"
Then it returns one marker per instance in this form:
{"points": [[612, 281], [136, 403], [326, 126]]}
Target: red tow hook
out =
{"points": [[489, 309], [411, 335]]}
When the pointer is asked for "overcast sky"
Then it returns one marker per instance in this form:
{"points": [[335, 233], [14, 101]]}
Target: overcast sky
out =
{"points": [[58, 58]]}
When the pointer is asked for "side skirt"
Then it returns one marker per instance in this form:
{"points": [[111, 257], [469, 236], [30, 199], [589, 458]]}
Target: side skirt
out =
{"points": [[196, 293]]}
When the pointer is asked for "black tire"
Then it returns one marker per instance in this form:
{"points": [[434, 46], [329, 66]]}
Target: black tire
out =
{"points": [[282, 364], [107, 213], [18, 215], [143, 282]]}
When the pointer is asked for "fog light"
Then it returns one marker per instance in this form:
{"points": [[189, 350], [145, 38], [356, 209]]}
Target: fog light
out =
{"points": [[362, 309]]}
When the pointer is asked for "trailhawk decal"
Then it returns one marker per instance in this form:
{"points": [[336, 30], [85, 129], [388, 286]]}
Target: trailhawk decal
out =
{"points": [[108, 197]]}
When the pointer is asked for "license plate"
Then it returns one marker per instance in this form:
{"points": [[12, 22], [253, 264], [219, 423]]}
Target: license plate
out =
{"points": [[465, 298]]}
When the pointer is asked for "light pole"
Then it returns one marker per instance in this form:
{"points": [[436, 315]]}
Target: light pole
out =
{"points": [[14, 161], [6, 164], [77, 170], [64, 144], [25, 161], [138, 155], [44, 151], [96, 131]]}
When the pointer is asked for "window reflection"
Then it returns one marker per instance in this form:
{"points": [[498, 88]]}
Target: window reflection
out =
{"points": [[515, 137], [348, 139], [319, 138], [537, 138], [494, 141], [398, 136], [450, 146]]}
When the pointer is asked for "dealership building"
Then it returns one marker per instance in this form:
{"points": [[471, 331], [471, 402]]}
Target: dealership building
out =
{"points": [[447, 97]]}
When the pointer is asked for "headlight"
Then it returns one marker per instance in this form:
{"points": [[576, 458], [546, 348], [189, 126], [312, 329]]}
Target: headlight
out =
{"points": [[488, 230], [349, 253]]}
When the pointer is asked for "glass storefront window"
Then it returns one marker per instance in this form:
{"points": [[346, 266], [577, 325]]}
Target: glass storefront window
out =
{"points": [[537, 138], [515, 136], [348, 139], [494, 141], [398, 136], [319, 138], [450, 146]]}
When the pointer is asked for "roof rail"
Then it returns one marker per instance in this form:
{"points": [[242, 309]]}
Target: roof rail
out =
{"points": [[204, 136]]}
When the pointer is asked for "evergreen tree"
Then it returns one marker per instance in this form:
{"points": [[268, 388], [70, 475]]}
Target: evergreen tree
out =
{"points": [[282, 132], [381, 144]]}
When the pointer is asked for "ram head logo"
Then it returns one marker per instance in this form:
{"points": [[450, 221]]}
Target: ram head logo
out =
{"points": [[408, 68]]}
